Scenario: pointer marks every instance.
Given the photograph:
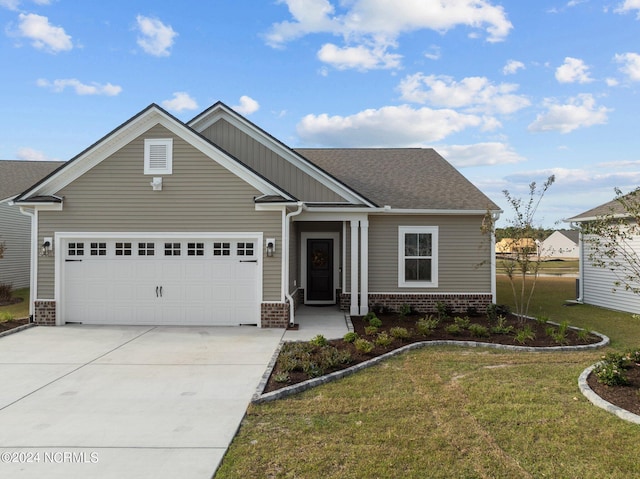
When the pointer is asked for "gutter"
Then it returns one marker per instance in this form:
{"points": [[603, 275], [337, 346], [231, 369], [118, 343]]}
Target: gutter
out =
{"points": [[285, 252]]}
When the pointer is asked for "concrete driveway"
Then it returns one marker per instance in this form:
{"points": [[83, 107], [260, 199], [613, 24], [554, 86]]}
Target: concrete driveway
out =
{"points": [[125, 401]]}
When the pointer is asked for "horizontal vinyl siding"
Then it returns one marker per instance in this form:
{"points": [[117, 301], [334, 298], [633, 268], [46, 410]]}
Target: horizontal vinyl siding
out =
{"points": [[598, 285], [15, 233], [200, 196], [269, 164], [462, 248]]}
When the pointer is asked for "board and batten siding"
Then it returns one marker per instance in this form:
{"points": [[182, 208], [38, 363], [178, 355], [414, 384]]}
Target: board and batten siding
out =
{"points": [[268, 163], [599, 283], [15, 233], [462, 249], [200, 196]]}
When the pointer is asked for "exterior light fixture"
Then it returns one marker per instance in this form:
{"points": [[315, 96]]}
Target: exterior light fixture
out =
{"points": [[156, 184], [271, 246], [47, 247]]}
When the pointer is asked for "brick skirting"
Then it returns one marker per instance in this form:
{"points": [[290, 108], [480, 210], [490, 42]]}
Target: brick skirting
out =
{"points": [[44, 313], [425, 303], [274, 315]]}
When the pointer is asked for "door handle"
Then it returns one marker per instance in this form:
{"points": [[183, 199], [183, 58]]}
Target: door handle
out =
{"points": [[248, 260], [161, 291], [156, 291]]}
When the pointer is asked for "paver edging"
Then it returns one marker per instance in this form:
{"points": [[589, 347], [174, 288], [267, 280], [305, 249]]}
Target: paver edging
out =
{"points": [[17, 330], [259, 397], [596, 400]]}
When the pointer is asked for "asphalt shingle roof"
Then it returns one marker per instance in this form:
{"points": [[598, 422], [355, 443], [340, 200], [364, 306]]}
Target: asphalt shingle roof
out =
{"points": [[611, 207], [411, 178], [17, 176]]}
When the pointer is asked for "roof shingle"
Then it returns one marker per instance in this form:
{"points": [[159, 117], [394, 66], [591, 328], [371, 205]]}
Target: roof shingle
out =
{"points": [[18, 175]]}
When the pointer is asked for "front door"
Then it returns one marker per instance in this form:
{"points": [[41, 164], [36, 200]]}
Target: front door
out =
{"points": [[320, 286]]}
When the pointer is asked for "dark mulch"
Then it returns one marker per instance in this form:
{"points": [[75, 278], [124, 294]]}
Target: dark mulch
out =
{"points": [[13, 323], [541, 339], [627, 397]]}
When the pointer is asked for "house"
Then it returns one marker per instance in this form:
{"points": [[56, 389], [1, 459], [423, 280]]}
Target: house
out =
{"points": [[15, 228], [597, 285], [521, 245], [561, 244], [216, 222]]}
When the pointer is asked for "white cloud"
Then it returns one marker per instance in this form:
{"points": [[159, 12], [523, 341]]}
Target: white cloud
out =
{"points": [[359, 57], [378, 24], [42, 34], [628, 6], [630, 64], [29, 154], [181, 101], [80, 88], [434, 53], [512, 67], [387, 126], [247, 105], [156, 38], [611, 82], [474, 94], [10, 4], [579, 112], [480, 154], [573, 70]]}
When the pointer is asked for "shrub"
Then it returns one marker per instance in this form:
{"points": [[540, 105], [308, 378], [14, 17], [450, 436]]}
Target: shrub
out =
{"points": [[472, 311], [426, 325], [6, 291], [400, 333], [282, 377], [617, 359], [383, 340], [363, 345], [319, 340], [501, 327], [583, 334], [369, 316], [525, 334], [350, 337], [453, 329], [375, 322], [405, 309], [462, 322], [444, 310], [559, 334], [478, 330], [380, 308], [370, 330], [496, 310], [331, 357], [5, 316], [610, 374], [312, 369], [542, 319]]}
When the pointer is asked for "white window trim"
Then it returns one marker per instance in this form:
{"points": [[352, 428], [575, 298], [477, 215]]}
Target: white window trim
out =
{"points": [[433, 231], [168, 143]]}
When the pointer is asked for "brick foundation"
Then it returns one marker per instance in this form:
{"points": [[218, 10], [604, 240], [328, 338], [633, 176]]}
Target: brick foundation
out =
{"points": [[44, 313], [274, 315], [425, 303]]}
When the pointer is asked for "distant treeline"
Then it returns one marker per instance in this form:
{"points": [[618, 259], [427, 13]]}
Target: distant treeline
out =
{"points": [[511, 232]]}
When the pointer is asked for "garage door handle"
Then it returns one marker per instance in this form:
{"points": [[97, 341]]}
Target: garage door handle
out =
{"points": [[248, 260], [156, 291], [71, 260], [161, 291]]}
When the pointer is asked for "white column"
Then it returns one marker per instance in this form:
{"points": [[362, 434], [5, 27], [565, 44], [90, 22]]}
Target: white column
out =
{"points": [[354, 310], [364, 266]]}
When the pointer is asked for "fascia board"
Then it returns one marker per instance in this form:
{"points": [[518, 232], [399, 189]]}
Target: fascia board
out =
{"points": [[121, 137], [220, 112]]}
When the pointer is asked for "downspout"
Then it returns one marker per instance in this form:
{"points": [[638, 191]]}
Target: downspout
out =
{"points": [[494, 296], [285, 252], [33, 263], [580, 289]]}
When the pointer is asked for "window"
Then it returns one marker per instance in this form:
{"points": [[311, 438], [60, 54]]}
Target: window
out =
{"points": [[172, 249], [123, 249], [98, 249], [146, 249], [76, 249], [158, 156], [221, 249], [418, 256], [245, 249], [195, 249]]}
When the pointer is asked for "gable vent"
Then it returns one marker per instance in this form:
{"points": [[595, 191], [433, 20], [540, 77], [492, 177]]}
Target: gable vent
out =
{"points": [[158, 156]]}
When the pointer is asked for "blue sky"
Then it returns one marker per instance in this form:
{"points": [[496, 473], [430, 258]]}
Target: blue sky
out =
{"points": [[509, 92]]}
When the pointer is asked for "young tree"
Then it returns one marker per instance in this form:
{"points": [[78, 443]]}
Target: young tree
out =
{"points": [[522, 262], [609, 240]]}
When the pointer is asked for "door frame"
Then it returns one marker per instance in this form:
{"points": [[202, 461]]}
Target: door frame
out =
{"points": [[333, 235]]}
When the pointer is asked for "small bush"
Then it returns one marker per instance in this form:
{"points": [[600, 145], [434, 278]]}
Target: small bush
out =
{"points": [[583, 334], [525, 334], [350, 337], [6, 292], [462, 322], [496, 310], [282, 377], [542, 319], [363, 345], [330, 357], [319, 340], [380, 308], [375, 322], [472, 311], [616, 359], [453, 329], [405, 309], [5, 316], [444, 310], [370, 330], [478, 330], [501, 327], [312, 369], [610, 374], [369, 316], [383, 340], [426, 325], [400, 333]]}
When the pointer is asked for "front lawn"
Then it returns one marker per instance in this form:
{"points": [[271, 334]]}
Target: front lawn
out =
{"points": [[451, 412]]}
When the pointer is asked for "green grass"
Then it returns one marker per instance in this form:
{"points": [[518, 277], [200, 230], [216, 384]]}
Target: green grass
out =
{"points": [[451, 412], [18, 310]]}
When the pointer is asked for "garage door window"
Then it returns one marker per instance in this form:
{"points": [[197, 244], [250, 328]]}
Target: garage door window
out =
{"points": [[172, 249], [245, 249], [221, 249], [146, 249], [76, 249], [195, 249], [123, 249], [98, 249]]}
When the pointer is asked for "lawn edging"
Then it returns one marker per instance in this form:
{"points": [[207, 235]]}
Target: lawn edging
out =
{"points": [[17, 329], [596, 400], [259, 397]]}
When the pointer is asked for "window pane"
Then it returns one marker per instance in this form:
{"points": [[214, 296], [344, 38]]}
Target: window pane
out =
{"points": [[410, 244], [411, 269], [424, 244], [424, 269]]}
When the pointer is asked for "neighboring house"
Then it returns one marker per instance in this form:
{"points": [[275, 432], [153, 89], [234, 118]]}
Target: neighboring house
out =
{"points": [[510, 245], [561, 244], [15, 228], [216, 222], [597, 285]]}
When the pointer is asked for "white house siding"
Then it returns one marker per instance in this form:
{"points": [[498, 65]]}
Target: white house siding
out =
{"points": [[200, 196], [464, 263], [598, 285], [558, 245], [15, 233]]}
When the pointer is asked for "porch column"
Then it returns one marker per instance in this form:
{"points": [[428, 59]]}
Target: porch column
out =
{"points": [[354, 310], [364, 266]]}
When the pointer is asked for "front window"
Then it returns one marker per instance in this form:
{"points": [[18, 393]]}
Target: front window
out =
{"points": [[418, 256]]}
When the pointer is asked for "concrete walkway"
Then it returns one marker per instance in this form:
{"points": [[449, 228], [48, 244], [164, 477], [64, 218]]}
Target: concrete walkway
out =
{"points": [[313, 320]]}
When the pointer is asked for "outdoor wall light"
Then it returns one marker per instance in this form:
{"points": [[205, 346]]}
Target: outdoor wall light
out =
{"points": [[47, 247], [271, 246], [156, 184]]}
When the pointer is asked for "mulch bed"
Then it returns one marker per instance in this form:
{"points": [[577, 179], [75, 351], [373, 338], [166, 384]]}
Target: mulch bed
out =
{"points": [[13, 323], [390, 320], [626, 397]]}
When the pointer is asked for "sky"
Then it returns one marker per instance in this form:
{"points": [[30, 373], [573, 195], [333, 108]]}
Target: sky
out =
{"points": [[509, 92]]}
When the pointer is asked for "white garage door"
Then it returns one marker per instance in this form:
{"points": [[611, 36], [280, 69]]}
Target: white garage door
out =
{"points": [[213, 281]]}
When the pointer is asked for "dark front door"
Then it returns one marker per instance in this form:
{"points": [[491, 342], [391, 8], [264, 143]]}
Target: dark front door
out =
{"points": [[320, 270]]}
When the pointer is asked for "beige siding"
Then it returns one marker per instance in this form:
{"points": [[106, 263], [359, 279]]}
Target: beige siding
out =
{"points": [[269, 164], [200, 196], [462, 248], [15, 233]]}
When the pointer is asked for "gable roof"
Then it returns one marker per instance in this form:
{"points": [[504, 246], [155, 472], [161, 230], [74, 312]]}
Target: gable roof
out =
{"points": [[18, 175], [403, 178], [613, 207], [572, 235]]}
